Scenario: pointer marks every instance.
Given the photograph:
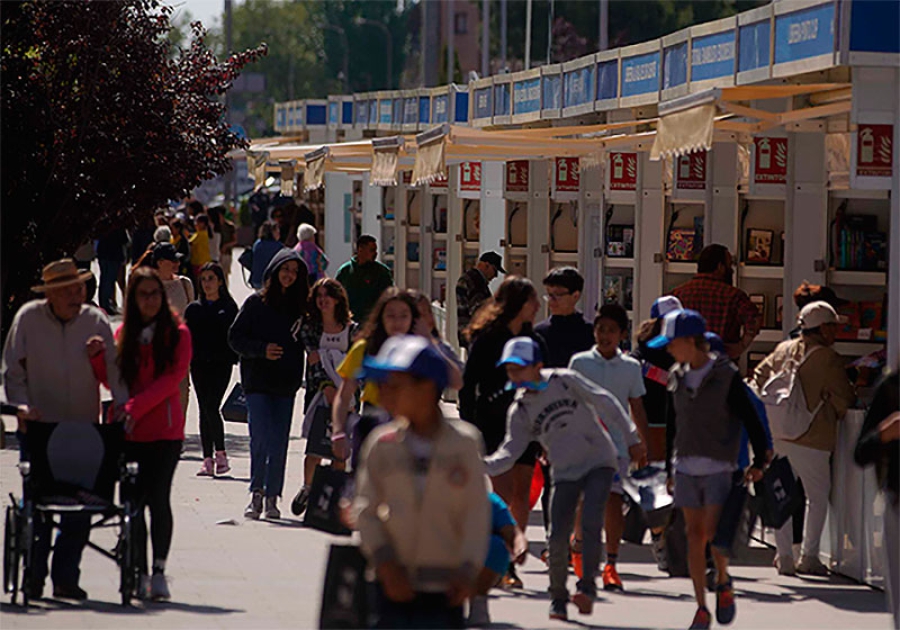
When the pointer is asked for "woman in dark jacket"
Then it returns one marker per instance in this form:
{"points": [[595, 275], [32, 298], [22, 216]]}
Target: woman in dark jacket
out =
{"points": [[209, 319], [484, 399], [266, 336]]}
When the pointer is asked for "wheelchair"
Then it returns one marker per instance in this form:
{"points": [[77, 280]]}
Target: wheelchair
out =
{"points": [[71, 468]]}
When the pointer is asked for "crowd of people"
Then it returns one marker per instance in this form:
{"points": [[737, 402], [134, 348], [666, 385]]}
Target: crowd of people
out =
{"points": [[441, 505]]}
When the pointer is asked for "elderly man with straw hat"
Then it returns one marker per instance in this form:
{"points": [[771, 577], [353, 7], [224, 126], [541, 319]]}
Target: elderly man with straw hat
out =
{"points": [[46, 367]]}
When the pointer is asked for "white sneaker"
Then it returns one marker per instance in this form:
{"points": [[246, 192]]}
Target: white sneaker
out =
{"points": [[785, 565], [811, 565], [479, 615], [159, 588]]}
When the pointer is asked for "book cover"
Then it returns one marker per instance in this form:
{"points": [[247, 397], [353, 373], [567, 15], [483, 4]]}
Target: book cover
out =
{"points": [[681, 244], [412, 251], [759, 246], [620, 241], [850, 328], [612, 290], [760, 302], [440, 258]]}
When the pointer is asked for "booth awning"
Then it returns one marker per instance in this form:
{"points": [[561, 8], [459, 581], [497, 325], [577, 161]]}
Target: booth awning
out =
{"points": [[256, 167], [288, 177], [314, 175], [431, 163], [386, 157]]}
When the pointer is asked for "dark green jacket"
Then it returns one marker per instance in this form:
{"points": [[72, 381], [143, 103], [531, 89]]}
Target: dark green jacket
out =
{"points": [[364, 285]]}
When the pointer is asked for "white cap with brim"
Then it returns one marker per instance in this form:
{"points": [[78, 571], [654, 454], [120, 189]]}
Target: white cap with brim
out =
{"points": [[815, 314]]}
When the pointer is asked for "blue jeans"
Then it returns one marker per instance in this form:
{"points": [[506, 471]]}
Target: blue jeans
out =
{"points": [[109, 272], [269, 418]]}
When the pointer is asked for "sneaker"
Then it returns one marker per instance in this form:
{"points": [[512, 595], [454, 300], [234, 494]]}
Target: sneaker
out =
{"points": [[558, 610], [725, 605], [33, 590], [298, 505], [143, 589], [272, 511], [584, 603], [69, 592], [512, 580], [611, 579], [785, 565], [255, 507], [479, 615], [206, 468], [702, 620], [159, 588], [658, 545], [811, 565], [222, 465]]}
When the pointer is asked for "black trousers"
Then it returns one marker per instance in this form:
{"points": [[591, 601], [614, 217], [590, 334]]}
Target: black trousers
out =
{"points": [[427, 610], [153, 490], [211, 382]]}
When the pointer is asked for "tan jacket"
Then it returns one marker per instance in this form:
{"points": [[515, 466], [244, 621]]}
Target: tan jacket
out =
{"points": [[438, 535], [824, 372]]}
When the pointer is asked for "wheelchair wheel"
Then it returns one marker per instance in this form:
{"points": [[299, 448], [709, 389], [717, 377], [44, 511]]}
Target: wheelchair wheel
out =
{"points": [[26, 546], [11, 552], [129, 577]]}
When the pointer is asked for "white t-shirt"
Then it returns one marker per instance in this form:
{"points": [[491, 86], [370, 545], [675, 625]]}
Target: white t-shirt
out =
{"points": [[180, 292]]}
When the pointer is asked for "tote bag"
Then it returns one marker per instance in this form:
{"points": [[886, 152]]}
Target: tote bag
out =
{"points": [[234, 408], [777, 493], [344, 595]]}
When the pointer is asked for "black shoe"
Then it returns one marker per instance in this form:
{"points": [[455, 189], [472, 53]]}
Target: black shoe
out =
{"points": [[558, 610], [69, 592], [298, 505], [33, 591]]}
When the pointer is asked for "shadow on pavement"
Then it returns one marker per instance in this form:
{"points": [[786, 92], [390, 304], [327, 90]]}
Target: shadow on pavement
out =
{"points": [[48, 606], [829, 592]]}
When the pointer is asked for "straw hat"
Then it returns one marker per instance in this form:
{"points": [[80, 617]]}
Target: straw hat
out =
{"points": [[61, 273]]}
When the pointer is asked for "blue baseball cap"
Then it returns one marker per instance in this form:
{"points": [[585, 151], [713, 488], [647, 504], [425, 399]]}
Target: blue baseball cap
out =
{"points": [[682, 323], [664, 305], [715, 342], [411, 354], [521, 351]]}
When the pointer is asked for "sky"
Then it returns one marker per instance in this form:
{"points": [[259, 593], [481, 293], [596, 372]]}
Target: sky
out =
{"points": [[207, 11]]}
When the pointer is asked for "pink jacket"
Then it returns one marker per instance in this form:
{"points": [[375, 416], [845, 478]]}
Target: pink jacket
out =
{"points": [[155, 402]]}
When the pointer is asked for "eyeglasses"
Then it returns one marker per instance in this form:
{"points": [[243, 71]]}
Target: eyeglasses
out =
{"points": [[552, 297]]}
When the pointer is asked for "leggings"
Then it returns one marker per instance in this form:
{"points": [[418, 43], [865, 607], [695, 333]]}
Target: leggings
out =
{"points": [[153, 489], [211, 381]]}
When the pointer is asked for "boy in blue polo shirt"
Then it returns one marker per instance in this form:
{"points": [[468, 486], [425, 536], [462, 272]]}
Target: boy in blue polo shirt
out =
{"points": [[608, 367]]}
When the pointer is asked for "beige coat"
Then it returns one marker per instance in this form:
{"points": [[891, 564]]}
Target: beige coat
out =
{"points": [[823, 376], [440, 534]]}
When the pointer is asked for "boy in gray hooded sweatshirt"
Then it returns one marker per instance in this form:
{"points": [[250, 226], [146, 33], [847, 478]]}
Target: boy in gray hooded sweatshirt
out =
{"points": [[568, 415]]}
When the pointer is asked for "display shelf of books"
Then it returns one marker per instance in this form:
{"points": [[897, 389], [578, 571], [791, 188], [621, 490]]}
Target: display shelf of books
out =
{"points": [[684, 233], [388, 224], [857, 268]]}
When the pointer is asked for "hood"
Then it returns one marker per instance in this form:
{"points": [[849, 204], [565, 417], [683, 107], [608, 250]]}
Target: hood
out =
{"points": [[282, 256]]}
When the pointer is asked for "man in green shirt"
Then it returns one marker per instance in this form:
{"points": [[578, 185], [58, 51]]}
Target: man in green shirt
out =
{"points": [[364, 278]]}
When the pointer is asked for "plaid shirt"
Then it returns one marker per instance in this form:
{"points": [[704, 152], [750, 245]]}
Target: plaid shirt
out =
{"points": [[726, 309], [472, 291]]}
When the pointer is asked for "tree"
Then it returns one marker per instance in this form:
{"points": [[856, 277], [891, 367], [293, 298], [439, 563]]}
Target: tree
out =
{"points": [[102, 122]]}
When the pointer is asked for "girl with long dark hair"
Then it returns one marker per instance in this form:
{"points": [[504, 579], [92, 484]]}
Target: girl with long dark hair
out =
{"points": [[209, 319], [266, 337], [484, 397], [154, 353], [327, 335], [395, 313]]}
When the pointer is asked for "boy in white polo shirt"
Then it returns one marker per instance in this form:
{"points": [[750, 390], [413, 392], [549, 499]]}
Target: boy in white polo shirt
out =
{"points": [[607, 366]]}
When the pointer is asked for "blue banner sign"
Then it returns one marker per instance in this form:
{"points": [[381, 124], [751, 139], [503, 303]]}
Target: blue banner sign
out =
{"points": [[281, 118], [501, 100], [410, 110], [804, 34], [675, 65], [484, 103], [424, 110], [712, 56], [362, 112], [439, 108], [873, 26], [640, 75], [461, 110], [316, 114], [607, 80], [577, 87], [551, 86], [347, 112], [397, 114], [527, 96], [333, 113], [753, 52], [384, 112], [373, 112]]}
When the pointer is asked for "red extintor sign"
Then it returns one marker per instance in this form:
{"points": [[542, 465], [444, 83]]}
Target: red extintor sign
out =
{"points": [[568, 177], [690, 171], [407, 177], [517, 176], [439, 184], [470, 176], [770, 163], [623, 171], [874, 150]]}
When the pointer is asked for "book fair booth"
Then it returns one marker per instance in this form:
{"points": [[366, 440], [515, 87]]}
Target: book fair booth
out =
{"points": [[773, 132]]}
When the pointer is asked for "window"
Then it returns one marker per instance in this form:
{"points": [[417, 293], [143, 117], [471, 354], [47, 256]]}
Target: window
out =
{"points": [[460, 23]]}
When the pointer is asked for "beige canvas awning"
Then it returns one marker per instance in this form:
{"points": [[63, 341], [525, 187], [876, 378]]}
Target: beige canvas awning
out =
{"points": [[431, 161], [385, 159], [314, 175], [288, 177], [256, 166]]}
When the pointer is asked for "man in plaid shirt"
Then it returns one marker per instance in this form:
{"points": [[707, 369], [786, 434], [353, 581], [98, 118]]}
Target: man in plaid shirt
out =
{"points": [[472, 290], [728, 311]]}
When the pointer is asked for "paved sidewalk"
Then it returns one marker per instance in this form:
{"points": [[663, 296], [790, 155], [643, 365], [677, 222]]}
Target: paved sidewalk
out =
{"points": [[229, 573]]}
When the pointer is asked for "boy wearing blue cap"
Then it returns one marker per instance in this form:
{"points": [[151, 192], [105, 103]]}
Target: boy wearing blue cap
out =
{"points": [[423, 511], [711, 407], [569, 416]]}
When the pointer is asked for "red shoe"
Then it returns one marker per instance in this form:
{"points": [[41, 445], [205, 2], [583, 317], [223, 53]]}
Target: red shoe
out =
{"points": [[584, 603], [576, 558], [611, 579]]}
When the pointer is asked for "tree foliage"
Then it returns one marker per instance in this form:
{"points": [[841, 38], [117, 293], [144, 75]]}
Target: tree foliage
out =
{"points": [[102, 121]]}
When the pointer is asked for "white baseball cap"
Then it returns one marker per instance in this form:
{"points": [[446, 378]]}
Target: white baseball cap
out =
{"points": [[815, 314], [665, 304]]}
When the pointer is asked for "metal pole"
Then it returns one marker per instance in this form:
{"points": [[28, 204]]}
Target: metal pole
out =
{"points": [[485, 37], [550, 30], [346, 44], [528, 34], [230, 183], [603, 39], [451, 44], [503, 30]]}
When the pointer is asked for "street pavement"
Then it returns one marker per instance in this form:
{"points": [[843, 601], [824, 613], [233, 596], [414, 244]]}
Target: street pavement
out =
{"points": [[226, 572]]}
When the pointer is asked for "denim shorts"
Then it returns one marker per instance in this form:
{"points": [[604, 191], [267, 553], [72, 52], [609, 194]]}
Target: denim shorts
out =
{"points": [[699, 491]]}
